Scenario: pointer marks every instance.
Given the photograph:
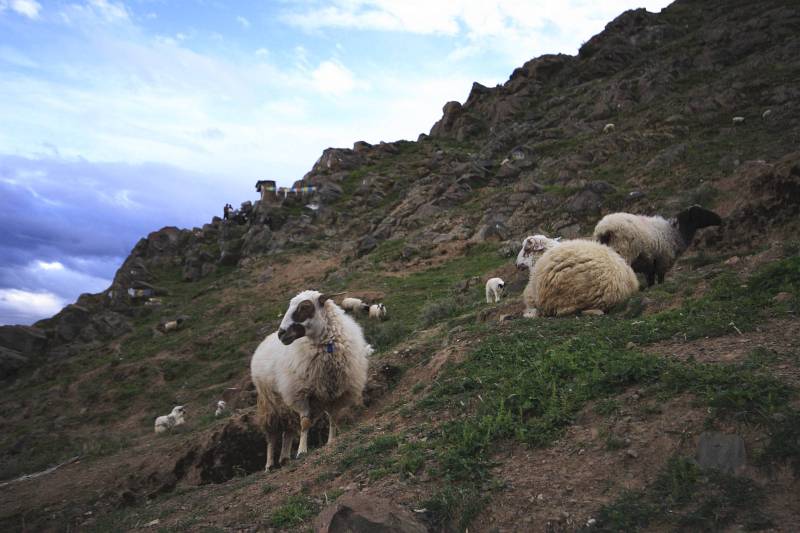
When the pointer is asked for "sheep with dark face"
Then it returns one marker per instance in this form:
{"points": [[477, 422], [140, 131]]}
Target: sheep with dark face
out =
{"points": [[533, 247], [494, 290], [377, 311], [314, 365], [652, 244]]}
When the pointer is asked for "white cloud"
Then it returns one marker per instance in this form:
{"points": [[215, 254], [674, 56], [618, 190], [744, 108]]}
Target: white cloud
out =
{"points": [[24, 307], [54, 265], [333, 78], [26, 8], [243, 21]]}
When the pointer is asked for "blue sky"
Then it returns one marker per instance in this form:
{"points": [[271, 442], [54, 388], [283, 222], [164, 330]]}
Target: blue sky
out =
{"points": [[118, 118]]}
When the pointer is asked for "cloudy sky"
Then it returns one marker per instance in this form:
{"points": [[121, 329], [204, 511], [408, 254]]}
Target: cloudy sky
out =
{"points": [[118, 118]]}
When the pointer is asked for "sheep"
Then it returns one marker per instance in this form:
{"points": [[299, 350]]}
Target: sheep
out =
{"points": [[608, 128], [652, 244], [494, 289], [315, 364], [175, 418], [578, 276], [765, 115], [738, 120], [532, 248], [377, 311], [221, 408], [354, 305]]}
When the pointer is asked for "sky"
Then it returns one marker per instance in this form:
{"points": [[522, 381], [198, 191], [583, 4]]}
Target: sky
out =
{"points": [[120, 117]]}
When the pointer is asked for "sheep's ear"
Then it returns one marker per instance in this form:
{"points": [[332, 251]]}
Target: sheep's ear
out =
{"points": [[304, 311], [605, 238], [323, 298]]}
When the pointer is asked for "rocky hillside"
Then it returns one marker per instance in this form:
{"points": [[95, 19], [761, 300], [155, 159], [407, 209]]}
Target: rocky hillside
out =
{"points": [[678, 411]]}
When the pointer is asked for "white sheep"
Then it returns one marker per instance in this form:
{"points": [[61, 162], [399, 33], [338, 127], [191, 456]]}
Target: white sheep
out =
{"points": [[222, 406], [494, 289], [608, 128], [578, 276], [377, 311], [354, 305], [175, 418], [738, 120], [765, 115], [652, 244], [533, 247], [315, 364]]}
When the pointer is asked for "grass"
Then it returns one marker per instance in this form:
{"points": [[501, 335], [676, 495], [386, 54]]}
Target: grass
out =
{"points": [[295, 510]]}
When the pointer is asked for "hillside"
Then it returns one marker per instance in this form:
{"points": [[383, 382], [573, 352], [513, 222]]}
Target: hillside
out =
{"points": [[474, 417]]}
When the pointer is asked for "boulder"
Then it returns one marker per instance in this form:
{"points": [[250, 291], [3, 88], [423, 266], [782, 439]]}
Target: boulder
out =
{"points": [[366, 245], [257, 240], [360, 513], [10, 362], [23, 339]]}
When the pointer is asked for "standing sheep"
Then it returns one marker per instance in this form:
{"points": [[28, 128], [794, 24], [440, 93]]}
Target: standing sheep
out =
{"points": [[578, 276], [315, 364], [377, 311], [222, 406], [354, 305], [532, 248], [175, 418], [494, 289], [652, 244]]}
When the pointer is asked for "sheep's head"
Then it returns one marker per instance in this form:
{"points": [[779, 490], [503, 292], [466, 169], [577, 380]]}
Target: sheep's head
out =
{"points": [[694, 218], [303, 317], [532, 247], [179, 411]]}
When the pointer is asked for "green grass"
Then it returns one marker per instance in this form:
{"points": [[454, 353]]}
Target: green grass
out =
{"points": [[295, 510]]}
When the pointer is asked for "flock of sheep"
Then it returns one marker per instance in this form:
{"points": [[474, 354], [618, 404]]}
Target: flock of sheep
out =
{"points": [[315, 365]]}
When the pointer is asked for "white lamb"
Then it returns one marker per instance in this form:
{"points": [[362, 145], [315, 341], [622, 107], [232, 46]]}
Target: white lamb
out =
{"points": [[221, 408], [578, 276], [354, 305], [652, 244], [494, 289], [608, 128], [765, 115], [738, 120], [175, 418], [532, 248], [315, 364], [377, 311]]}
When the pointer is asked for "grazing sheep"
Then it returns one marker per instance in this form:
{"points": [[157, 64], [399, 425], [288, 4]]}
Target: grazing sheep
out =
{"points": [[354, 305], [765, 115], [494, 289], [608, 128], [532, 248], [578, 276], [738, 120], [315, 364], [652, 244], [175, 418], [377, 311], [221, 408]]}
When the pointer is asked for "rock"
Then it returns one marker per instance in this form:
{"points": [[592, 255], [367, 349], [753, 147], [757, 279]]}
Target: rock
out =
{"points": [[782, 297], [10, 362], [721, 451], [257, 240], [366, 245], [23, 339], [494, 231], [358, 513]]}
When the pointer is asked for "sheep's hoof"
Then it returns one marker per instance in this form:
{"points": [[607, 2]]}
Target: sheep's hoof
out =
{"points": [[530, 313]]}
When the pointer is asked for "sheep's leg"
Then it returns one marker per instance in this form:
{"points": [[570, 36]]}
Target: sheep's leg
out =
{"points": [[272, 441], [332, 425], [305, 424], [286, 447], [661, 277], [488, 296]]}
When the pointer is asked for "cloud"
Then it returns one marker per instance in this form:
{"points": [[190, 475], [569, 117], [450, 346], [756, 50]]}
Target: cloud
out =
{"points": [[243, 21], [26, 307], [333, 78], [26, 8]]}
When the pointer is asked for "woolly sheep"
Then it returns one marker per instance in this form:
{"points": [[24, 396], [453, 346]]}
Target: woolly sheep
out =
{"points": [[738, 120], [494, 289], [533, 247], [578, 276], [354, 305], [652, 244], [221, 408], [377, 311], [315, 363], [608, 128], [175, 418], [766, 114]]}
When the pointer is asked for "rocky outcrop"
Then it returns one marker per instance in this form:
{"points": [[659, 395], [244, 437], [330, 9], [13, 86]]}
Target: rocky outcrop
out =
{"points": [[361, 513]]}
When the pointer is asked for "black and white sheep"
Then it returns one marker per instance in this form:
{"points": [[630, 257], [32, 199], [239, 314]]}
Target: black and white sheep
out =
{"points": [[533, 247], [377, 311], [315, 364], [494, 290], [578, 276], [175, 418], [652, 244]]}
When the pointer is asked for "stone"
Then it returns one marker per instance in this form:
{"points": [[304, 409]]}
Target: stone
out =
{"points": [[494, 231], [359, 513], [782, 297], [11, 361], [721, 451], [24, 339], [366, 245]]}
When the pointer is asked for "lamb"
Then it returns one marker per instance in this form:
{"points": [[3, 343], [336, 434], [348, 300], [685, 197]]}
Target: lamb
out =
{"points": [[652, 244], [532, 248], [175, 418], [738, 120], [578, 276], [494, 289], [354, 305], [221, 408], [315, 363], [377, 311], [608, 128], [765, 115]]}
